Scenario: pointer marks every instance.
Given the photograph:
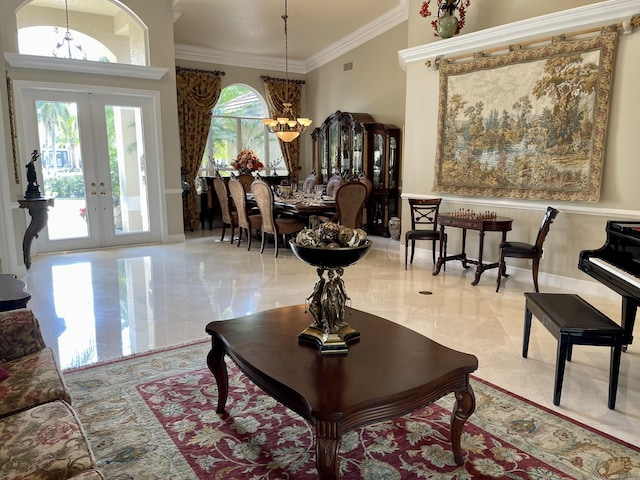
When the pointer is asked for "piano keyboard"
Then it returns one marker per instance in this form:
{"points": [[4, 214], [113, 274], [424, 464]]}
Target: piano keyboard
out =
{"points": [[618, 272]]}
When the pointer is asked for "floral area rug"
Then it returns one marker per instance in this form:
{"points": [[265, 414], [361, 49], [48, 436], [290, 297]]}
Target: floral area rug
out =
{"points": [[153, 416]]}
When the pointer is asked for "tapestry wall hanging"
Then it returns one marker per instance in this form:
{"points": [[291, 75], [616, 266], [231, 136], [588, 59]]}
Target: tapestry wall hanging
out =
{"points": [[528, 124]]}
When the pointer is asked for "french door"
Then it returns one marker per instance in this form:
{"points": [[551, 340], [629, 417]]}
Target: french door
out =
{"points": [[97, 154]]}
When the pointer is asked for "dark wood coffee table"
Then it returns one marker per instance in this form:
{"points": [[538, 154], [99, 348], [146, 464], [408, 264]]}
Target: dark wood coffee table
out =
{"points": [[391, 371]]}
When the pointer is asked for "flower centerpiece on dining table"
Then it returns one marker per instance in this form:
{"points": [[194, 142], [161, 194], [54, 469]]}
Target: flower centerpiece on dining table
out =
{"points": [[247, 162]]}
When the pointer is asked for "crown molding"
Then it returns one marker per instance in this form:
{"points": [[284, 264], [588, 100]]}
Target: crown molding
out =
{"points": [[393, 17], [17, 60], [236, 59], [594, 15]]}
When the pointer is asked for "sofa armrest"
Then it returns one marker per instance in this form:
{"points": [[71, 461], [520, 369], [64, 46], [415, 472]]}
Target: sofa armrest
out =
{"points": [[20, 334]]}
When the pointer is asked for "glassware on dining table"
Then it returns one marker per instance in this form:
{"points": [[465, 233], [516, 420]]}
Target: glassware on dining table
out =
{"points": [[318, 190]]}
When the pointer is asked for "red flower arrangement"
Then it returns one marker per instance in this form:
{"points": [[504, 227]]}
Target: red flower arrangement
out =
{"points": [[446, 7], [247, 161]]}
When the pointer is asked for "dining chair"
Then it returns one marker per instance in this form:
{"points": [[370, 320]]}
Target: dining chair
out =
{"points": [[424, 226], [310, 182], [229, 217], [528, 251], [333, 184], [350, 198], [278, 227], [246, 223], [246, 180]]}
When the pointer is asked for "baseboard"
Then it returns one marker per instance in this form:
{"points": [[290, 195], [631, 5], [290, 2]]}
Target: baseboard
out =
{"points": [[524, 275]]}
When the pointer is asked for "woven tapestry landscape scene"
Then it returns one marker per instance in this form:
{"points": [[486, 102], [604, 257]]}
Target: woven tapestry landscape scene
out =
{"points": [[528, 124], [152, 416]]}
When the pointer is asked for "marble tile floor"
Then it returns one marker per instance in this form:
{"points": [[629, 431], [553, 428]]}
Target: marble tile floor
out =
{"points": [[99, 305]]}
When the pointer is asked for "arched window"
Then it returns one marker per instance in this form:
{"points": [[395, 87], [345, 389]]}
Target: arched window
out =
{"points": [[100, 31], [236, 125]]}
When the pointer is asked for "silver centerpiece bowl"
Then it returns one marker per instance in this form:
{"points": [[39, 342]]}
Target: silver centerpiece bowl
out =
{"points": [[329, 331]]}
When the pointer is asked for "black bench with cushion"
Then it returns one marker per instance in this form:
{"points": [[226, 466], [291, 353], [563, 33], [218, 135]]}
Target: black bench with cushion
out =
{"points": [[573, 321]]}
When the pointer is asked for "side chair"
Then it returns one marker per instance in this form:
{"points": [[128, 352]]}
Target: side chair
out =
{"points": [[527, 250], [350, 200], [246, 180], [270, 224], [333, 184], [246, 223], [424, 226], [310, 182], [229, 217]]}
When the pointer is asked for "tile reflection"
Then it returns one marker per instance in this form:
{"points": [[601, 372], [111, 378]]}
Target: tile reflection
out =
{"points": [[74, 303]]}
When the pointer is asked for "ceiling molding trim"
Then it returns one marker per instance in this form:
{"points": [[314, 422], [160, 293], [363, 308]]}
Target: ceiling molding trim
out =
{"points": [[17, 60], [236, 59], [588, 16], [393, 17], [380, 25]]}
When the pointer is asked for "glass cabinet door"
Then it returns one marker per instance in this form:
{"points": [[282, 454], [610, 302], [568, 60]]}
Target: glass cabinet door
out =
{"points": [[334, 147], [345, 145], [393, 160], [358, 166], [324, 154], [378, 161]]}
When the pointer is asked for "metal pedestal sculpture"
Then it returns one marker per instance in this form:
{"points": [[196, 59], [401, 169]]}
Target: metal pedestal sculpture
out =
{"points": [[330, 332]]}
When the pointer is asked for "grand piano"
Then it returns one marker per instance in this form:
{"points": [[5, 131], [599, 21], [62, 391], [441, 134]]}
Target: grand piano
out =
{"points": [[617, 265]]}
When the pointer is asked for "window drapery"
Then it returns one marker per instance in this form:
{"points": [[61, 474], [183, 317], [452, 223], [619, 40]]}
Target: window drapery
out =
{"points": [[279, 91], [198, 91]]}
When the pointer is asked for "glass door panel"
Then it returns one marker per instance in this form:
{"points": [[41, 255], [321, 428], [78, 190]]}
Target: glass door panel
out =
{"points": [[127, 171], [95, 151], [62, 168]]}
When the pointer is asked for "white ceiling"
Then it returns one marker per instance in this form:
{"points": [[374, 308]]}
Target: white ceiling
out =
{"points": [[251, 32]]}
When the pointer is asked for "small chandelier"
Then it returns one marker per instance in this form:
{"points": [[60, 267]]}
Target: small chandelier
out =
{"points": [[287, 127], [63, 48]]}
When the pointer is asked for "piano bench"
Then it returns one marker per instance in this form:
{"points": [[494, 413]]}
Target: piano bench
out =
{"points": [[573, 321]]}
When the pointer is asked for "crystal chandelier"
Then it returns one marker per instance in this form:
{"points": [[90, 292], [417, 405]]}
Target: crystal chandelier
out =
{"points": [[287, 127], [63, 48]]}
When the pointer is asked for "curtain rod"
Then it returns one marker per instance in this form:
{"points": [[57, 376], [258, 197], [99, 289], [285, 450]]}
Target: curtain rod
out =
{"points": [[197, 70], [625, 27], [298, 82]]}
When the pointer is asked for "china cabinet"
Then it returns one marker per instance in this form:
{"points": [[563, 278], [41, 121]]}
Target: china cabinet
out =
{"points": [[354, 144]]}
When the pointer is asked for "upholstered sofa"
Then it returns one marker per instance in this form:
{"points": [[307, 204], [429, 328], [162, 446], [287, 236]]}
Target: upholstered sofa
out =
{"points": [[42, 437]]}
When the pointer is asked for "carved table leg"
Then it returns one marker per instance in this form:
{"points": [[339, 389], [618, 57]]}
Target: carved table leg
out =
{"points": [[217, 365], [328, 440], [480, 267], [464, 407]]}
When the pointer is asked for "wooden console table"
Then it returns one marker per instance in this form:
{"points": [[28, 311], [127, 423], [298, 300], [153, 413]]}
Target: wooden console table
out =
{"points": [[391, 371], [38, 209], [497, 224]]}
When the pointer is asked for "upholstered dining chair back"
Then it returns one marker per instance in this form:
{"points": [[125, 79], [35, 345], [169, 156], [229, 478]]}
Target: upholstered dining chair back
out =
{"points": [[229, 218], [270, 224], [367, 183], [530, 251], [309, 182], [333, 184], [350, 198], [246, 223], [424, 219]]}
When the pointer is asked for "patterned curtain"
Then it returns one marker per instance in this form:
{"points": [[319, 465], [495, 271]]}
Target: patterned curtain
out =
{"points": [[198, 92], [279, 91]]}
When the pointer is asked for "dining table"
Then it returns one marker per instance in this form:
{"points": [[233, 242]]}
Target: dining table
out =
{"points": [[303, 207]]}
